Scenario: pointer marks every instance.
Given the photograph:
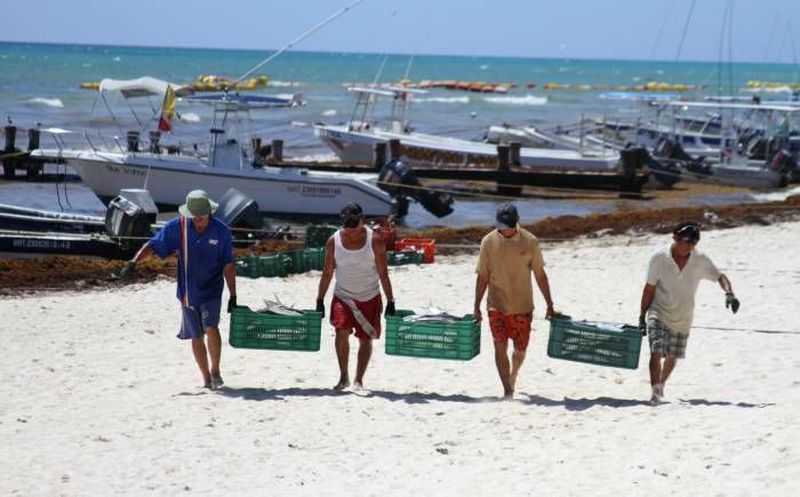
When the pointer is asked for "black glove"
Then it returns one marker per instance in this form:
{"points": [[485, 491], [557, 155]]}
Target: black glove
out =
{"points": [[321, 307], [732, 302], [128, 270], [231, 303], [642, 324], [390, 310]]}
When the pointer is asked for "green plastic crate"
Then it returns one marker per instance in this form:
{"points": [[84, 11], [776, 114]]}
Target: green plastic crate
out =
{"points": [[248, 267], [271, 266], [303, 260], [317, 235], [402, 258], [593, 344], [264, 266], [460, 340], [254, 330]]}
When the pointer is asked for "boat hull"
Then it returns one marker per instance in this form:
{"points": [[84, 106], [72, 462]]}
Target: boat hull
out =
{"points": [[282, 192], [419, 149]]}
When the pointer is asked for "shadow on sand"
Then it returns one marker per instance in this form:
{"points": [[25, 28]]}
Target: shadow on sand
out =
{"points": [[704, 402], [582, 404]]}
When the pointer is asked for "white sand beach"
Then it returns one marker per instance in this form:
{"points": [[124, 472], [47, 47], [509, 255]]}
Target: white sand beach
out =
{"points": [[98, 397]]}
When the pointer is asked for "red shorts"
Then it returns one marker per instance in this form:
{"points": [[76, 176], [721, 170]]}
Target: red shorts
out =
{"points": [[517, 327], [342, 316]]}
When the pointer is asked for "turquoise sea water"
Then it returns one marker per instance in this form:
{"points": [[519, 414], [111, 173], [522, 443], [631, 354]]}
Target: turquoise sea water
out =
{"points": [[39, 83]]}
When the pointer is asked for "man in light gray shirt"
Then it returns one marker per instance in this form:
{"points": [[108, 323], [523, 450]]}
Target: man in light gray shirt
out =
{"points": [[673, 275]]}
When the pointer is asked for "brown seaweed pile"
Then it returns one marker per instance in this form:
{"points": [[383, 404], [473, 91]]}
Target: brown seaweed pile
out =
{"points": [[19, 276]]}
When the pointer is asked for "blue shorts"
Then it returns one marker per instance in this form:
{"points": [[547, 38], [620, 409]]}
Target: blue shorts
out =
{"points": [[209, 316], [209, 312]]}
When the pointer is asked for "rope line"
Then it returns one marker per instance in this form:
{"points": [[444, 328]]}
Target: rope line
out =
{"points": [[754, 330]]}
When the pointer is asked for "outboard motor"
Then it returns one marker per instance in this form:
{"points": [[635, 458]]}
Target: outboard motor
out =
{"points": [[237, 210], [674, 151], [395, 175], [665, 174], [783, 162], [129, 216]]}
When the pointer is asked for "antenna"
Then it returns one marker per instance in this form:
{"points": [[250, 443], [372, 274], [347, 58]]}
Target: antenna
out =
{"points": [[297, 40], [685, 28]]}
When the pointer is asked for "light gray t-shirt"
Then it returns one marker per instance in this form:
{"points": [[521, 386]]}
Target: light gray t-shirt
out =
{"points": [[673, 303]]}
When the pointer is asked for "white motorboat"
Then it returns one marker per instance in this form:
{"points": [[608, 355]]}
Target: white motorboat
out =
{"points": [[290, 192], [355, 141], [169, 172]]}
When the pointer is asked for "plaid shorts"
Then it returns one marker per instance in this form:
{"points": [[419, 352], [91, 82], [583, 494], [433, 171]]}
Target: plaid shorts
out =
{"points": [[664, 341]]}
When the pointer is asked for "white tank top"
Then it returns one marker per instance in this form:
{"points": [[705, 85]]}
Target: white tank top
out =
{"points": [[356, 273]]}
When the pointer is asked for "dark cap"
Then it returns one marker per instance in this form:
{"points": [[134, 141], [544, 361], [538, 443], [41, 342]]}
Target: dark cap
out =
{"points": [[507, 217], [351, 214], [688, 232]]}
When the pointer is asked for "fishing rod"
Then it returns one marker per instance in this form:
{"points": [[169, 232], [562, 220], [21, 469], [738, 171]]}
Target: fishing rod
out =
{"points": [[298, 40]]}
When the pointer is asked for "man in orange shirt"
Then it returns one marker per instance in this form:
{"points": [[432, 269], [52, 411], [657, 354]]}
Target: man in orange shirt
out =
{"points": [[508, 255]]}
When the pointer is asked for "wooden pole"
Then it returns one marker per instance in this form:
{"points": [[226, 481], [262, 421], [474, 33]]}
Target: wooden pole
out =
{"points": [[515, 151], [9, 165], [33, 168], [394, 149], [277, 150], [504, 176], [379, 155]]}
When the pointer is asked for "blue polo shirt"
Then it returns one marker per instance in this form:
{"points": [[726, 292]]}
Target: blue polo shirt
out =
{"points": [[209, 252]]}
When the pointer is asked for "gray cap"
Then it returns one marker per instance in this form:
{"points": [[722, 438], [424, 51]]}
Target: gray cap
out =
{"points": [[507, 217], [197, 204]]}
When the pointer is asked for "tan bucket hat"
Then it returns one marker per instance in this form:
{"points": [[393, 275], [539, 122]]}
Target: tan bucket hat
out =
{"points": [[197, 204]]}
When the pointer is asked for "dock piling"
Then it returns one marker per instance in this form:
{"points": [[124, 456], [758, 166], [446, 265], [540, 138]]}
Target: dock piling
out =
{"points": [[394, 149], [504, 175], [33, 168], [9, 164], [379, 155], [277, 150]]}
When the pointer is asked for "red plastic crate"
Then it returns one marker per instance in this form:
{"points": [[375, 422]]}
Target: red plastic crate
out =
{"points": [[426, 245]]}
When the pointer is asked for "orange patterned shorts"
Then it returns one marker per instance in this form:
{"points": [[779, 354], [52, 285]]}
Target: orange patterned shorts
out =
{"points": [[517, 327]]}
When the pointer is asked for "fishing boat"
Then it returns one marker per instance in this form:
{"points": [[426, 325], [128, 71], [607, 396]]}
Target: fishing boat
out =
{"points": [[168, 172], [354, 141]]}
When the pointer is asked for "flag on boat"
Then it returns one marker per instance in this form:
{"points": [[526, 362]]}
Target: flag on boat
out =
{"points": [[167, 110]]}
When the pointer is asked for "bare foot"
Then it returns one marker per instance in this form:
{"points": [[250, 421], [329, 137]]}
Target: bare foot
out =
{"points": [[508, 395], [358, 389], [343, 384], [512, 380]]}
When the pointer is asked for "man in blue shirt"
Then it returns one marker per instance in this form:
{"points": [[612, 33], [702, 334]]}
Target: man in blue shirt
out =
{"points": [[200, 277]]}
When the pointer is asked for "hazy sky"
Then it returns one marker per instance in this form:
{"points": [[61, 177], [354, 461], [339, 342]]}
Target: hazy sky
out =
{"points": [[763, 30]]}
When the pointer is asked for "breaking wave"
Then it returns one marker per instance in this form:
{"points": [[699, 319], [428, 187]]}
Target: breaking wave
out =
{"points": [[56, 103], [444, 100], [189, 117], [526, 100]]}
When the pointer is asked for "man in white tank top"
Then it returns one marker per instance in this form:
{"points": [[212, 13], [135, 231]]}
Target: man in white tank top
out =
{"points": [[359, 260]]}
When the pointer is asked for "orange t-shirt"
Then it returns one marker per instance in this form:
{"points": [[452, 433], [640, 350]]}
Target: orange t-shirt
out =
{"points": [[507, 264]]}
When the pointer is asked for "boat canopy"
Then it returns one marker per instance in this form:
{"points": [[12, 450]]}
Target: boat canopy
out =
{"points": [[244, 102], [725, 105], [142, 87], [386, 91]]}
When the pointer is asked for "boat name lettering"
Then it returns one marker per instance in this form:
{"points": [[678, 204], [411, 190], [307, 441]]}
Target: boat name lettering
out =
{"points": [[315, 191], [440, 157], [42, 244], [132, 171]]}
